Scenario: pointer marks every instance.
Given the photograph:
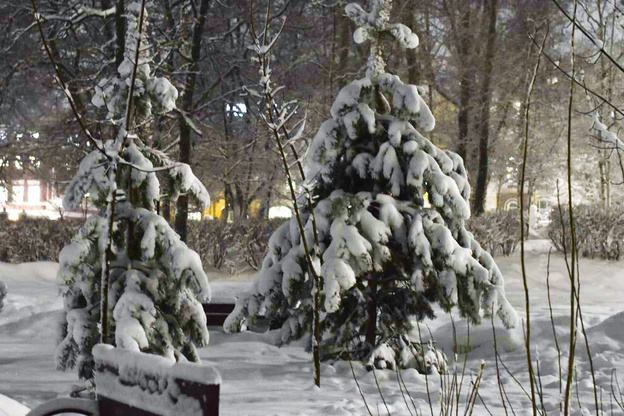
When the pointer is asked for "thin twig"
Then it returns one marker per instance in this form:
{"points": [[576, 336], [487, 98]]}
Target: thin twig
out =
{"points": [[359, 388], [527, 106], [401, 390], [573, 309], [498, 376], [264, 60], [585, 32], [383, 399], [552, 321]]}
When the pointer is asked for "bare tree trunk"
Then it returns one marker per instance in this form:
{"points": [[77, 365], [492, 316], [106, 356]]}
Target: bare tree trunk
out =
{"points": [[465, 84], [478, 206], [344, 46], [605, 180], [187, 105], [120, 30], [109, 33], [414, 65], [371, 312], [165, 207]]}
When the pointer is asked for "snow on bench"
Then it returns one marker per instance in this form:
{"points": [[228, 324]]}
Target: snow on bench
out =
{"points": [[134, 383]]}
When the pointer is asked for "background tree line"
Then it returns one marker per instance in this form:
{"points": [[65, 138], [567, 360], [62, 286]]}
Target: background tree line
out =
{"points": [[473, 67]]}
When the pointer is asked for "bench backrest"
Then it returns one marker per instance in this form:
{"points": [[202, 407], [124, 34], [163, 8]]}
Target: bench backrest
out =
{"points": [[134, 383]]}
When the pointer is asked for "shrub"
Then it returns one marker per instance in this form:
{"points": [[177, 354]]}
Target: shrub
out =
{"points": [[599, 231], [34, 239], [229, 246], [497, 232], [3, 293], [232, 245]]}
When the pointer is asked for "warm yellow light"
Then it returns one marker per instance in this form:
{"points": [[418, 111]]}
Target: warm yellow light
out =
{"points": [[426, 203]]}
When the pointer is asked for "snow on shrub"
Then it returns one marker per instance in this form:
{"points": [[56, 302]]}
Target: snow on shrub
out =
{"points": [[599, 231], [384, 254], [498, 232], [232, 246], [34, 239]]}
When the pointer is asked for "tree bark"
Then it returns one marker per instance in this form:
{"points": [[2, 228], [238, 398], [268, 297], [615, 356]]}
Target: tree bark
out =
{"points": [[120, 30], [371, 312], [344, 45], [465, 84], [187, 105], [478, 206], [109, 33], [414, 65]]}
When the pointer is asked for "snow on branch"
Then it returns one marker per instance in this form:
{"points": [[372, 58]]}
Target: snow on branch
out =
{"points": [[606, 135], [183, 174], [372, 26]]}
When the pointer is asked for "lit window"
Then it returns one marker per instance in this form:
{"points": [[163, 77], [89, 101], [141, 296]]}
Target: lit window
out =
{"points": [[18, 194], [34, 193], [511, 205], [280, 212], [236, 110]]}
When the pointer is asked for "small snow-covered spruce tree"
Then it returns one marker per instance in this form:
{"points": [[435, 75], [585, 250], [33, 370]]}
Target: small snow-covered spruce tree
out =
{"points": [[127, 279], [390, 209]]}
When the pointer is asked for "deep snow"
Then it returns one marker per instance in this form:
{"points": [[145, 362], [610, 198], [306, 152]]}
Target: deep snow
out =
{"points": [[261, 379]]}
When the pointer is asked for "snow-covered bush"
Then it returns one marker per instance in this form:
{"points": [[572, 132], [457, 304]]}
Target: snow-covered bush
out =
{"points": [[383, 254], [422, 357], [34, 239], [3, 293], [127, 279], [232, 246], [211, 240], [599, 231], [498, 232]]}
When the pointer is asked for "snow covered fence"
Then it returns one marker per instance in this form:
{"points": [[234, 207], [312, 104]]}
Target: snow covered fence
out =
{"points": [[134, 383]]}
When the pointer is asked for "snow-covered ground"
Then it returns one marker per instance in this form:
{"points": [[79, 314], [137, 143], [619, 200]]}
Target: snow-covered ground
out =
{"points": [[261, 379]]}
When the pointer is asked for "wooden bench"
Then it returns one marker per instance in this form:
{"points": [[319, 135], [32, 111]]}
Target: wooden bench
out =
{"points": [[219, 308], [136, 384]]}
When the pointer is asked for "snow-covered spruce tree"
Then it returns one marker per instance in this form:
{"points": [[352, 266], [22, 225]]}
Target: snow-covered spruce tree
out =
{"points": [[127, 279], [390, 209]]}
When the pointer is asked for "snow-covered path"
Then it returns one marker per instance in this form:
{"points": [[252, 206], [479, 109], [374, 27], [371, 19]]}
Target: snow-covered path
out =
{"points": [[261, 379]]}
